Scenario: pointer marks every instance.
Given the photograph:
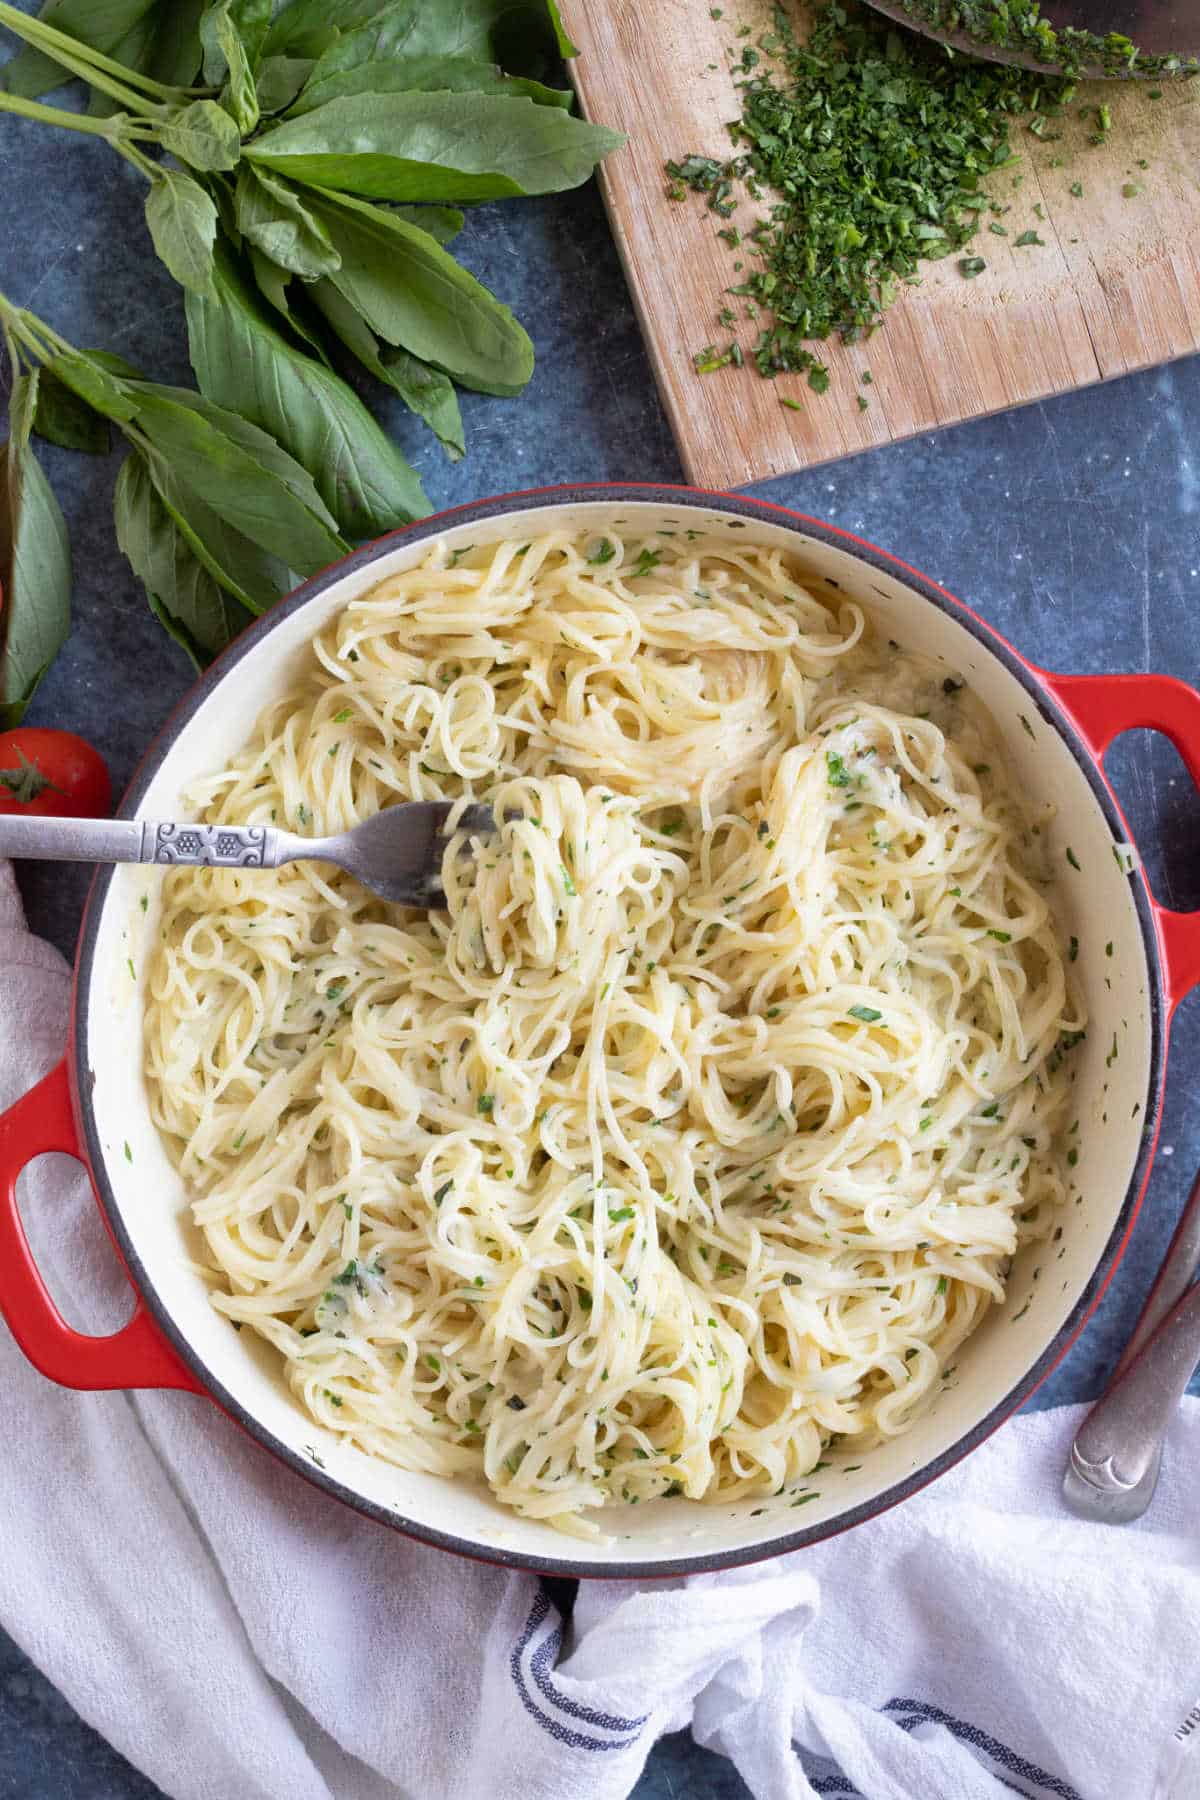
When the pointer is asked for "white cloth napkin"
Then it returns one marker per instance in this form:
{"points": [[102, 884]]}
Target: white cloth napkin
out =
{"points": [[239, 1636]]}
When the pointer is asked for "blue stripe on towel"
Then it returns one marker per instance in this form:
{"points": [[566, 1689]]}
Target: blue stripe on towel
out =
{"points": [[1010, 1762], [540, 1664]]}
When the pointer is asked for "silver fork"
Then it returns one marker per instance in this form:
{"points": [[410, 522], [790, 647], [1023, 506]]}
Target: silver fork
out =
{"points": [[397, 853]]}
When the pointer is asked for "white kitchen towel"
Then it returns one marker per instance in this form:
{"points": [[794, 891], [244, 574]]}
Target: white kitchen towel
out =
{"points": [[239, 1636]]}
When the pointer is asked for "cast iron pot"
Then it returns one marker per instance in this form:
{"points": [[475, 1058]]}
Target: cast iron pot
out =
{"points": [[1056, 729]]}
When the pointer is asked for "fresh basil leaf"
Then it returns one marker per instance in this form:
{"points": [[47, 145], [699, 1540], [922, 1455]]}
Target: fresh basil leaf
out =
{"points": [[253, 21], [250, 21], [241, 567], [185, 598], [307, 27], [203, 135], [133, 50], [424, 74], [183, 226], [565, 47], [35, 562], [102, 24], [241, 96], [425, 391], [221, 191], [347, 322], [269, 455], [174, 627], [176, 54], [521, 35], [164, 44], [112, 364], [215, 66], [231, 32], [436, 147], [271, 214], [272, 283], [415, 296], [99, 381], [63, 418], [526, 38], [441, 222], [263, 494], [429, 394], [241, 361], [279, 79]]}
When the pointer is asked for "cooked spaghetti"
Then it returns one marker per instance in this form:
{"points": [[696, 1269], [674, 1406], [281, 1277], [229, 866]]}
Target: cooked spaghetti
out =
{"points": [[702, 1127]]}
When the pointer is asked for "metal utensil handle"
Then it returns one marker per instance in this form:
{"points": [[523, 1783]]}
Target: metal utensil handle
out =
{"points": [[210, 846], [1095, 1454], [1174, 1278], [144, 841], [1120, 1437]]}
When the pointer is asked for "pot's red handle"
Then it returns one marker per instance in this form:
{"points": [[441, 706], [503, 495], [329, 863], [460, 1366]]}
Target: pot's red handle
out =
{"points": [[137, 1356], [1102, 707]]}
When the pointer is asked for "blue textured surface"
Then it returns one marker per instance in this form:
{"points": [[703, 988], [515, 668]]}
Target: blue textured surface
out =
{"points": [[1073, 526]]}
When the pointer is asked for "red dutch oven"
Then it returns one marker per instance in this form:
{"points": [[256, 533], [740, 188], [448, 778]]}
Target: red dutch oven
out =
{"points": [[1136, 961]]}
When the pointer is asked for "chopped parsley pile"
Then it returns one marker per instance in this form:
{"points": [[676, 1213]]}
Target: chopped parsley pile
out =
{"points": [[871, 154]]}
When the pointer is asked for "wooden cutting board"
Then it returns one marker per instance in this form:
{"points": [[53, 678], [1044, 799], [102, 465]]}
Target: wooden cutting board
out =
{"points": [[1116, 288]]}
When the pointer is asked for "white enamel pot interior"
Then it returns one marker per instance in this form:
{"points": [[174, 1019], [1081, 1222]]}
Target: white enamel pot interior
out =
{"points": [[1117, 1072]]}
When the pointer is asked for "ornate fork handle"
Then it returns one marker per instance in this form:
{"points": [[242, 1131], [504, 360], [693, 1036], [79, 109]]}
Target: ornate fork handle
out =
{"points": [[150, 841], [210, 846]]}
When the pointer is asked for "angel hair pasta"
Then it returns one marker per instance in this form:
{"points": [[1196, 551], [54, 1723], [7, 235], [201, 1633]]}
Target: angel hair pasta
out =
{"points": [[703, 1124]]}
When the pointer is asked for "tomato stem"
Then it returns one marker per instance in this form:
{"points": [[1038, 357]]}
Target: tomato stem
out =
{"points": [[27, 782]]}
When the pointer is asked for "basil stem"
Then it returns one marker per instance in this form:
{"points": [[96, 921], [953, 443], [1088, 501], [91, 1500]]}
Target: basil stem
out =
{"points": [[82, 60]]}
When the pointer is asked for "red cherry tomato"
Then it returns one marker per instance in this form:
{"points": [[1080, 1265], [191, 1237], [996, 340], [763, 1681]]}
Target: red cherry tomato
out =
{"points": [[52, 774]]}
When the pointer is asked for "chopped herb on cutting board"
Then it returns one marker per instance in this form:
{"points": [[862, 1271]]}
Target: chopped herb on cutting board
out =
{"points": [[868, 156], [866, 152]]}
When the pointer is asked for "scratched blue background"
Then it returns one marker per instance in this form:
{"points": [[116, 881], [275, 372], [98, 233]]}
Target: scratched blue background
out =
{"points": [[1074, 526]]}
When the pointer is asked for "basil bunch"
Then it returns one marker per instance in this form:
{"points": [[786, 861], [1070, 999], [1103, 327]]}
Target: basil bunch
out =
{"points": [[217, 519], [319, 153]]}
